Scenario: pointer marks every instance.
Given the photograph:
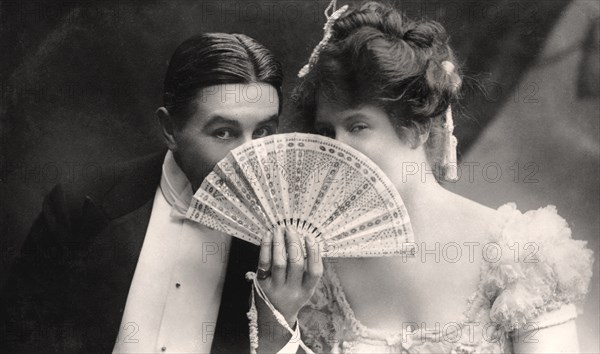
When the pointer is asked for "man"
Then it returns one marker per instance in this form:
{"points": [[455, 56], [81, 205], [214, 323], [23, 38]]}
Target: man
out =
{"points": [[115, 266]]}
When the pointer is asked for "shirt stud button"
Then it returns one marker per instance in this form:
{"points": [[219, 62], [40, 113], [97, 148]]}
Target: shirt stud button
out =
{"points": [[164, 349], [177, 285]]}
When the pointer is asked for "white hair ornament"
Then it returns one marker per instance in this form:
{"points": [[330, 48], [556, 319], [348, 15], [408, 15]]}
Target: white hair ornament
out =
{"points": [[314, 56], [449, 160]]}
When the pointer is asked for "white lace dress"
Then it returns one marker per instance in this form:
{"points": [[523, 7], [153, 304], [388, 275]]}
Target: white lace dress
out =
{"points": [[512, 293]]}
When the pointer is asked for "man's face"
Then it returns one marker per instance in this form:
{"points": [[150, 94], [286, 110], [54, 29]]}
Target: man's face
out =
{"points": [[225, 117]]}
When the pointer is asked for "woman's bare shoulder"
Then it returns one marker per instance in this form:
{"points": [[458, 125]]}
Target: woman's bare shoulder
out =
{"points": [[473, 218]]}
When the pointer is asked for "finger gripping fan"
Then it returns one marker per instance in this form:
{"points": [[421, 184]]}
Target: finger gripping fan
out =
{"points": [[311, 183]]}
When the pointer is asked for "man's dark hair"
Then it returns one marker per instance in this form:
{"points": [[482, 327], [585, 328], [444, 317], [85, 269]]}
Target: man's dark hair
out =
{"points": [[210, 59]]}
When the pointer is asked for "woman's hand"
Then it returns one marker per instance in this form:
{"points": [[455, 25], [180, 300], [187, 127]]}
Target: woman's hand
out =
{"points": [[295, 271]]}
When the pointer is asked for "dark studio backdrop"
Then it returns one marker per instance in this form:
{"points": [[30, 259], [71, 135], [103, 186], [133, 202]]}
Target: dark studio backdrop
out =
{"points": [[80, 81]]}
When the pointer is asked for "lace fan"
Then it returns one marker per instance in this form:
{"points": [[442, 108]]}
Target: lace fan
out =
{"points": [[312, 183]]}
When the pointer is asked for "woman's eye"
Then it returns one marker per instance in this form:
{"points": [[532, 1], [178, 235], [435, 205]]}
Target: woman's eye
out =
{"points": [[224, 134], [358, 127], [262, 132]]}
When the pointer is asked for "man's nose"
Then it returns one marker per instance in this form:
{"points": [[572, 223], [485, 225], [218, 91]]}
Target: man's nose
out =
{"points": [[246, 138]]}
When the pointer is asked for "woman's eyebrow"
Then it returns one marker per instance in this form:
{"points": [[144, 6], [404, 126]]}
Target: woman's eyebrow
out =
{"points": [[355, 116]]}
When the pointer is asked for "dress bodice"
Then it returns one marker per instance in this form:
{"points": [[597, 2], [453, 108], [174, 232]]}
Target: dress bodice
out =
{"points": [[529, 290]]}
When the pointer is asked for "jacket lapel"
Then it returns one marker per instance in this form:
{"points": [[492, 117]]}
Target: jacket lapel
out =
{"points": [[113, 259], [231, 333], [120, 219], [113, 252]]}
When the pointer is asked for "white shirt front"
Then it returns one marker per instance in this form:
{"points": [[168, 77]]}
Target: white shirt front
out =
{"points": [[174, 298], [175, 294]]}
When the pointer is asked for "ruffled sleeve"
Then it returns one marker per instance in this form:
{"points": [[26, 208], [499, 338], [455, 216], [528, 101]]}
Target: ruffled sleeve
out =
{"points": [[532, 266]]}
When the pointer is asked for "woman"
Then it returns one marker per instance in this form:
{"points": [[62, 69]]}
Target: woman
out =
{"points": [[382, 84]]}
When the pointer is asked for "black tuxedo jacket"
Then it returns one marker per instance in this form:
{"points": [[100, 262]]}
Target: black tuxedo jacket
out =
{"points": [[67, 290]]}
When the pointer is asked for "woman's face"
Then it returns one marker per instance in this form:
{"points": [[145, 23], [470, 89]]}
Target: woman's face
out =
{"points": [[369, 130]]}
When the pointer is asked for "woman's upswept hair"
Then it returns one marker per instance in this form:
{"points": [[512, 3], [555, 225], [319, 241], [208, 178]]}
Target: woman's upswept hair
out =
{"points": [[210, 59], [379, 56]]}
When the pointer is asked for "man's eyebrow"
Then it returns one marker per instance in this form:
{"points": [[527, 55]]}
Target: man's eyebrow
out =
{"points": [[217, 119]]}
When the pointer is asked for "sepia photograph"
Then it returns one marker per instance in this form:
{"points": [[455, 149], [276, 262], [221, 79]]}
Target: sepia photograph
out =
{"points": [[300, 176]]}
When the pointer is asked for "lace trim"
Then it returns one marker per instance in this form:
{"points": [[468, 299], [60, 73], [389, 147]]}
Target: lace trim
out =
{"points": [[391, 338], [478, 306], [520, 291], [472, 312]]}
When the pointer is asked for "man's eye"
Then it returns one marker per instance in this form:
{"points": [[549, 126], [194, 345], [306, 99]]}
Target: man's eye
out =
{"points": [[262, 132], [224, 134], [358, 127]]}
